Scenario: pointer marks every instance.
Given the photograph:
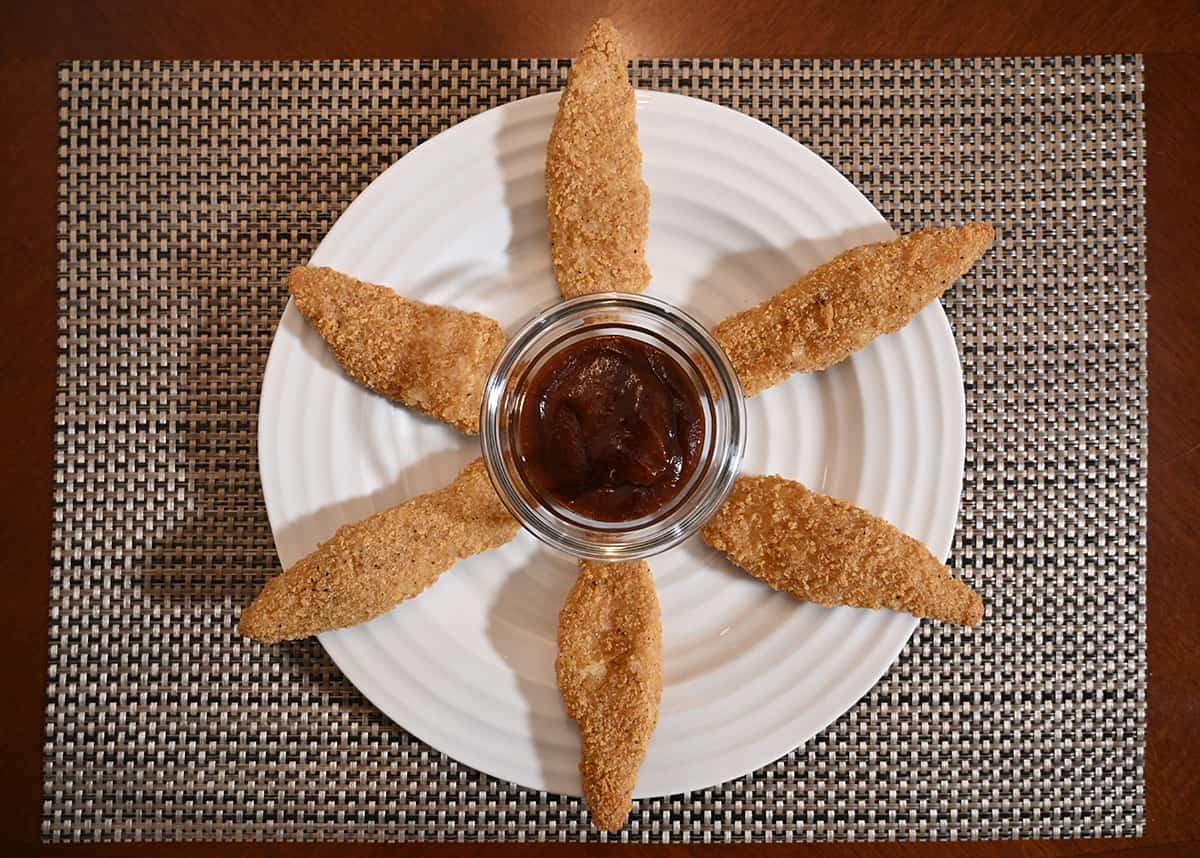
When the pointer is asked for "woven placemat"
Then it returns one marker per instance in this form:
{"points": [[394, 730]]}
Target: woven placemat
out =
{"points": [[186, 191]]}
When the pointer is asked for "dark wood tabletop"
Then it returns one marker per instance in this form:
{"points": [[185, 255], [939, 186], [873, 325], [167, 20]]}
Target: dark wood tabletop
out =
{"points": [[36, 34]]}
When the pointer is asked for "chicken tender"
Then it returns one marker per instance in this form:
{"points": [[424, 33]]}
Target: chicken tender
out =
{"points": [[369, 567], [610, 673], [598, 205], [830, 552], [434, 359], [839, 307]]}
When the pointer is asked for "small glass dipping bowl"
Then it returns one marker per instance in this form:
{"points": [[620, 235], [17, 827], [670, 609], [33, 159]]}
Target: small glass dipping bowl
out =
{"points": [[702, 361]]}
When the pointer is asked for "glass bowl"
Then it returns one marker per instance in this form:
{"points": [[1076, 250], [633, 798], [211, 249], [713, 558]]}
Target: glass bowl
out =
{"points": [[702, 360]]}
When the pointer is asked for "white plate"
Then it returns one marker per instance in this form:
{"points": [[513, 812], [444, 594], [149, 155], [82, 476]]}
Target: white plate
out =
{"points": [[738, 211]]}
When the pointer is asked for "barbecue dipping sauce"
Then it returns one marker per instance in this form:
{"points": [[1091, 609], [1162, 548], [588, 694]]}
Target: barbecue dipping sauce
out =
{"points": [[611, 427]]}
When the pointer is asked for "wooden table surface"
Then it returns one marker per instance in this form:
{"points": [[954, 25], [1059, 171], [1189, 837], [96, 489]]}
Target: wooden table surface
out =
{"points": [[40, 33]]}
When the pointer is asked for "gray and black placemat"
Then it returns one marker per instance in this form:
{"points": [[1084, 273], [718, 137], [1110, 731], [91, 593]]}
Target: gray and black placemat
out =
{"points": [[186, 190]]}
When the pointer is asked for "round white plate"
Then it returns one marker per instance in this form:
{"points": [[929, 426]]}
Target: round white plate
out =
{"points": [[738, 211]]}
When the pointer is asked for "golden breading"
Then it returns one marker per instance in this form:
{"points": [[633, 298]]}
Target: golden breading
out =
{"points": [[830, 552], [369, 567], [598, 205], [610, 673], [837, 308], [434, 359]]}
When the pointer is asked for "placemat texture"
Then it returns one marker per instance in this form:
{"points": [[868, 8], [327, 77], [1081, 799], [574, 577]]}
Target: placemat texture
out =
{"points": [[187, 190]]}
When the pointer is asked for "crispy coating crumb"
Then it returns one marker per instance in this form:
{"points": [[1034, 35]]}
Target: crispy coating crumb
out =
{"points": [[830, 552], [369, 567], [434, 359], [598, 205], [839, 307], [610, 673]]}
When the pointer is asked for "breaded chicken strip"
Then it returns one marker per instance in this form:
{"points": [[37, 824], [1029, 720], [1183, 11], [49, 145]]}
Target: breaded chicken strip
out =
{"points": [[610, 673], [598, 205], [369, 567], [830, 552], [837, 308], [434, 359]]}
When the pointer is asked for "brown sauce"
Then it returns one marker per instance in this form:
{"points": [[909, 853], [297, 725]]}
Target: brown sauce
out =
{"points": [[611, 427]]}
